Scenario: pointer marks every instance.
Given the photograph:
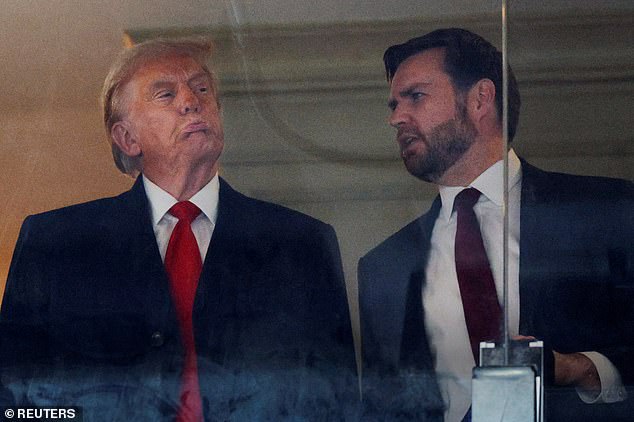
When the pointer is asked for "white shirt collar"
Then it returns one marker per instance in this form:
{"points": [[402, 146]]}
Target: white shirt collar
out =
{"points": [[160, 201], [490, 183]]}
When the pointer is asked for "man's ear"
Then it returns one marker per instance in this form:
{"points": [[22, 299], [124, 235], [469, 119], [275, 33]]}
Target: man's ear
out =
{"points": [[125, 140], [481, 100]]}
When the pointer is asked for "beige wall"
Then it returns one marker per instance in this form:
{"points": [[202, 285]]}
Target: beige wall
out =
{"points": [[305, 123], [316, 137]]}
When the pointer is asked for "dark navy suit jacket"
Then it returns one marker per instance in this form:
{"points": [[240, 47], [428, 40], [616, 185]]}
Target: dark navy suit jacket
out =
{"points": [[88, 320], [576, 293]]}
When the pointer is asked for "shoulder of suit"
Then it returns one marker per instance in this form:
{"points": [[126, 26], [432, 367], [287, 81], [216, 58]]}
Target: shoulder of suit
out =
{"points": [[578, 187], [82, 217], [395, 244], [264, 212], [89, 207]]}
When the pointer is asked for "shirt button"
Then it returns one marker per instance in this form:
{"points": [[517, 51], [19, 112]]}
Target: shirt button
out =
{"points": [[157, 339]]}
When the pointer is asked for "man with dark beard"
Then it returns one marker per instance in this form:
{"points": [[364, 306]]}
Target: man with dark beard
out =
{"points": [[430, 293]]}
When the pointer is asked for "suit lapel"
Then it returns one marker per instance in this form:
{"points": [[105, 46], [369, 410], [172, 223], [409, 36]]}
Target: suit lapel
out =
{"points": [[225, 236], [218, 287], [415, 350], [534, 181], [132, 227]]}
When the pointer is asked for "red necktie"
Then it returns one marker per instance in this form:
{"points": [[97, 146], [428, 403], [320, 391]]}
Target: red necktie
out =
{"points": [[183, 266], [477, 288]]}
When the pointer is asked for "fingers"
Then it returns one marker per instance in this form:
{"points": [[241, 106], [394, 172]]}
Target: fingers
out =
{"points": [[525, 338]]}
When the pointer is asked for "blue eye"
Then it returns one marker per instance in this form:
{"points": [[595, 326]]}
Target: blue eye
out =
{"points": [[417, 95]]}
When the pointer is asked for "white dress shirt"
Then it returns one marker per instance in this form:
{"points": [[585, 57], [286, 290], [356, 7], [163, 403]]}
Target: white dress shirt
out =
{"points": [[444, 315], [163, 222]]}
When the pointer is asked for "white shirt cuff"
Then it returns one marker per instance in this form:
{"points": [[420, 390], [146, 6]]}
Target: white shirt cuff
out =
{"points": [[612, 389]]}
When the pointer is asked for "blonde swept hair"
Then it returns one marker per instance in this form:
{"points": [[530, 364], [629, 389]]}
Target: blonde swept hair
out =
{"points": [[127, 63]]}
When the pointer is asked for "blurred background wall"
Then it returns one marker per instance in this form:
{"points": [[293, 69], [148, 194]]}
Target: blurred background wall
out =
{"points": [[304, 99]]}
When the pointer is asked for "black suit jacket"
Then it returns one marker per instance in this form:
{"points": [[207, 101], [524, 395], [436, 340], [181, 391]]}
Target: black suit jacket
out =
{"points": [[88, 320], [576, 292]]}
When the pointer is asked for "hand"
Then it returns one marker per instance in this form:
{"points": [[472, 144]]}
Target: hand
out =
{"points": [[576, 369], [573, 369], [523, 338]]}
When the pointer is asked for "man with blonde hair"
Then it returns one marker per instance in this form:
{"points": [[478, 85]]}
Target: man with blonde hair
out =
{"points": [[181, 298]]}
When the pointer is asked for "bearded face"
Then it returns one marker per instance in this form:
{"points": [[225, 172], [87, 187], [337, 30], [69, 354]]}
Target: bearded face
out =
{"points": [[433, 127], [444, 144]]}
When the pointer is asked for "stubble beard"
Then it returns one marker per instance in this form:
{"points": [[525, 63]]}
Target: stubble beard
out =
{"points": [[444, 146]]}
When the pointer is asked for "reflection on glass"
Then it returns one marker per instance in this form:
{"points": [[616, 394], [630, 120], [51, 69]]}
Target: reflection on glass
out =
{"points": [[304, 97]]}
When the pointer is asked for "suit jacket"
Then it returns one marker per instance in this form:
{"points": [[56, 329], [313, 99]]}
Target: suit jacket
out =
{"points": [[576, 291], [88, 319]]}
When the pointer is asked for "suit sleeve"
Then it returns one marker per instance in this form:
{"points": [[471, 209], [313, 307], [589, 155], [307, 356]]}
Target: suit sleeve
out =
{"points": [[23, 320], [334, 313], [615, 298], [310, 300], [621, 264], [341, 314], [24, 307]]}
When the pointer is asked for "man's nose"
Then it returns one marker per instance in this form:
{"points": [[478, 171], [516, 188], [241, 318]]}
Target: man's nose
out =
{"points": [[189, 101], [397, 117]]}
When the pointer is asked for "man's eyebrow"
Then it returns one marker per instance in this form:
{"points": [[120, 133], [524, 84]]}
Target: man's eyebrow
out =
{"points": [[199, 75], [168, 81], [160, 83], [406, 92], [409, 90]]}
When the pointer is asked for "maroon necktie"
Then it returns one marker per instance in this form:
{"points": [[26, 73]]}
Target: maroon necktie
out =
{"points": [[477, 288], [183, 266]]}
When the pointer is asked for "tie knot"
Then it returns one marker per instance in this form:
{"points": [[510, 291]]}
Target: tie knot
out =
{"points": [[466, 199], [185, 211]]}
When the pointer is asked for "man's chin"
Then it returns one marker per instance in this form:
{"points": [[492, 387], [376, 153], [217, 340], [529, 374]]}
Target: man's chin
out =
{"points": [[202, 136], [420, 171]]}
